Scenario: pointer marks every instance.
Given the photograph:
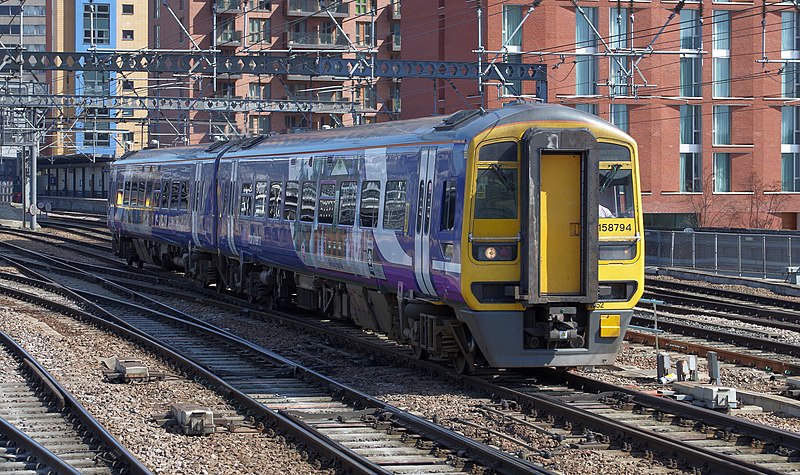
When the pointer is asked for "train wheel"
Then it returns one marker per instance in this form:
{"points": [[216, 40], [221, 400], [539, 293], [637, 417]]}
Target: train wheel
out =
{"points": [[463, 366], [419, 352]]}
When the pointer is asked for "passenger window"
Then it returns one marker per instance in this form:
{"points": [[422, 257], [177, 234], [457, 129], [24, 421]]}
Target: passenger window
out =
{"points": [[148, 195], [175, 195], [275, 200], [126, 199], [448, 205], [370, 202], [309, 202], [499, 152], [327, 201], [347, 203], [141, 193], [246, 200], [261, 199], [290, 202], [165, 194], [394, 205], [156, 200], [184, 196]]}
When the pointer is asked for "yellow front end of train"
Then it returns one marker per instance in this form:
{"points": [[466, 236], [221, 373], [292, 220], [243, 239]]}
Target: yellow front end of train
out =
{"points": [[552, 252]]}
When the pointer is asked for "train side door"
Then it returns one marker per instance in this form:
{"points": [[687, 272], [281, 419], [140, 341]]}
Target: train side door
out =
{"points": [[422, 226], [197, 197], [561, 208], [226, 181]]}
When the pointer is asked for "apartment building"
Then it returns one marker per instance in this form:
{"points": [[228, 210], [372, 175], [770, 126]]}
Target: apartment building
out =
{"points": [[83, 139], [710, 91], [298, 28]]}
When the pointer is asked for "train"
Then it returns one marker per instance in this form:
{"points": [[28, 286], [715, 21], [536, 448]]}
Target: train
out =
{"points": [[505, 238]]}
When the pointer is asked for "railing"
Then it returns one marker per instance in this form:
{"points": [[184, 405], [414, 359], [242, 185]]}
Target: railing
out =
{"points": [[749, 255], [229, 5], [315, 38], [316, 6]]}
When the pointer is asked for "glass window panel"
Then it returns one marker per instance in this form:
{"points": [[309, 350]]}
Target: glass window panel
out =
{"points": [[370, 202], [327, 202], [347, 203], [619, 116], [722, 125], [290, 202], [496, 193], [261, 199], [512, 17], [722, 172], [394, 207], [275, 191], [309, 202]]}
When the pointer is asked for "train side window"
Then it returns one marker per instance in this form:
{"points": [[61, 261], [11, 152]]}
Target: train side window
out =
{"points": [[394, 205], [165, 194], [370, 204], [174, 195], [246, 200], [290, 201], [448, 221], [261, 199], [141, 194], [347, 203], [309, 202], [275, 190], [148, 194], [326, 202], [156, 200], [126, 199], [499, 152], [184, 195], [428, 207]]}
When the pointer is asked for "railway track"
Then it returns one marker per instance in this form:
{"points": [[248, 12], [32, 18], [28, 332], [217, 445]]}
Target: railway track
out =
{"points": [[366, 434], [43, 429], [587, 413]]}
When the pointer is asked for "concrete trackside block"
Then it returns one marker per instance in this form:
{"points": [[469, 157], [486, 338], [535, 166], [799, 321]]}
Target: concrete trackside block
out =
{"points": [[193, 419], [712, 397]]}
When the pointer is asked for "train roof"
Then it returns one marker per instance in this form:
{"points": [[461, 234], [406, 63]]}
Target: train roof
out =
{"points": [[461, 126]]}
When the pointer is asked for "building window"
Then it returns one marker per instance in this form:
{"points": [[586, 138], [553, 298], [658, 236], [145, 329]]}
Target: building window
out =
{"points": [[790, 49], [722, 125], [182, 5], [512, 18], [127, 85], [259, 124], [127, 35], [260, 30], [513, 87], [361, 7], [790, 148], [262, 5], [181, 33], [127, 9], [721, 53], [96, 83], [96, 139], [258, 91], [691, 60], [618, 41], [156, 8], [363, 37], [96, 24], [691, 158], [586, 44], [31, 10], [722, 172], [619, 116], [588, 108], [157, 36]]}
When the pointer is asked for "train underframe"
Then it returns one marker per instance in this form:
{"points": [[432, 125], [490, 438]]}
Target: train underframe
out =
{"points": [[431, 329]]}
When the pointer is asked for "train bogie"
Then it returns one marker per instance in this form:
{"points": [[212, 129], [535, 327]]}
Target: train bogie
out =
{"points": [[475, 239]]}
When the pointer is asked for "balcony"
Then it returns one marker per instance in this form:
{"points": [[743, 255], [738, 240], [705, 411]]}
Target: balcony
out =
{"points": [[229, 6], [316, 40], [229, 38], [395, 38], [316, 8]]}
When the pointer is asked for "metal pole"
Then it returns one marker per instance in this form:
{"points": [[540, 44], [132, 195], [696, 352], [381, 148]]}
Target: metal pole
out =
{"points": [[716, 253], [740, 254], [480, 53], [34, 159]]}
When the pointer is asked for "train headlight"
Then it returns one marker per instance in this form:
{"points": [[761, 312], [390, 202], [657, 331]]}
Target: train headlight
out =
{"points": [[494, 252], [617, 251]]}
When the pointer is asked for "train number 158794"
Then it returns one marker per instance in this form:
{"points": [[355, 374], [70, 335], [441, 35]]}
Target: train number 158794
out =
{"points": [[613, 227]]}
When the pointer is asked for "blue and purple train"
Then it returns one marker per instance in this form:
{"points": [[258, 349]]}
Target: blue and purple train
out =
{"points": [[474, 237]]}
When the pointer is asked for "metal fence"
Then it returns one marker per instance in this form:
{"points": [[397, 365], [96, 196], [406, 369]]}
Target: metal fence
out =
{"points": [[768, 256]]}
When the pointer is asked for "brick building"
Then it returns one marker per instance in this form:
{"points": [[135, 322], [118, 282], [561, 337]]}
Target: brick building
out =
{"points": [[715, 113], [309, 28]]}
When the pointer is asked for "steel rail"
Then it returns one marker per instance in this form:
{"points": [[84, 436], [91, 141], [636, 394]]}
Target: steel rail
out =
{"points": [[65, 400], [500, 461], [36, 450]]}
